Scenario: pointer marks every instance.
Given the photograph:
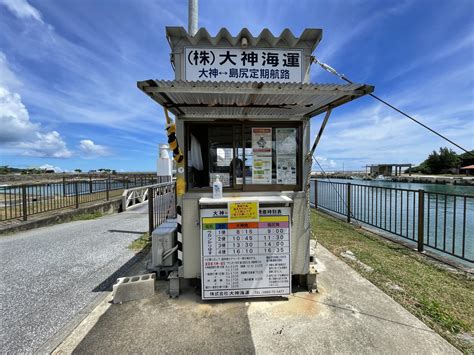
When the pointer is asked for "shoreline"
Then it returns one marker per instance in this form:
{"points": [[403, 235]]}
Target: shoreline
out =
{"points": [[421, 179]]}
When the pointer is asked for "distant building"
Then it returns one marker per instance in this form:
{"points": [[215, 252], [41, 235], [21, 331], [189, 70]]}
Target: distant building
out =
{"points": [[387, 169], [468, 170]]}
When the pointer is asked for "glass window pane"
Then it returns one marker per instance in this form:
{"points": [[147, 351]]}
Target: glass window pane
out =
{"points": [[221, 153], [286, 148]]}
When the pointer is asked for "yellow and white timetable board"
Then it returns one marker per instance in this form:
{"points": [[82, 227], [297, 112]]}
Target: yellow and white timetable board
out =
{"points": [[245, 251]]}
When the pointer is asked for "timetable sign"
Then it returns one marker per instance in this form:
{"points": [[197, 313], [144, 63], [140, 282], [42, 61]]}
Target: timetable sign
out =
{"points": [[241, 259]]}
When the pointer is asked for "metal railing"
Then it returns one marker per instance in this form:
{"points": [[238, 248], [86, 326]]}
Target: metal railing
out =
{"points": [[161, 204], [440, 221], [21, 201]]}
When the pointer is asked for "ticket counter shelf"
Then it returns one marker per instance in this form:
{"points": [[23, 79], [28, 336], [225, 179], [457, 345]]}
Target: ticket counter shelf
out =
{"points": [[277, 200]]}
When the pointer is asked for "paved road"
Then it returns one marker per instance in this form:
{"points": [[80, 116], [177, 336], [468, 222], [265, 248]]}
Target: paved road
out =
{"points": [[48, 275]]}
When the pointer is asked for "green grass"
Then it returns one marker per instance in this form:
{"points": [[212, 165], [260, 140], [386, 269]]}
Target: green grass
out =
{"points": [[141, 243], [442, 298], [86, 216]]}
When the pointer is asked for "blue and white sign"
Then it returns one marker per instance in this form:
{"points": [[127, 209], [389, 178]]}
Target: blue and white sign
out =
{"points": [[239, 64]]}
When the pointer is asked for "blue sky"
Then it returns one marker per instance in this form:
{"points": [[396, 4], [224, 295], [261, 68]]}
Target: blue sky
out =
{"points": [[68, 72]]}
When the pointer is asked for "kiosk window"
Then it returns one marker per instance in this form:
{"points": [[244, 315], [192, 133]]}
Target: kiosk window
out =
{"points": [[244, 155]]}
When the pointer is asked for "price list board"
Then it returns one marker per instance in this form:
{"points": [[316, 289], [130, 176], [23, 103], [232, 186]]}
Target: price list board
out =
{"points": [[243, 259]]}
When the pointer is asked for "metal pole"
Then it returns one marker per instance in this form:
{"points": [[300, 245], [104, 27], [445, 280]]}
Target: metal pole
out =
{"points": [[421, 219], [192, 17], [24, 202], [90, 184], [321, 130], [107, 188], [349, 202], [150, 210], [76, 187], [315, 193]]}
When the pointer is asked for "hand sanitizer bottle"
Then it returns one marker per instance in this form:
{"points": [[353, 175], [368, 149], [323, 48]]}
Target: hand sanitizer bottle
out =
{"points": [[217, 188]]}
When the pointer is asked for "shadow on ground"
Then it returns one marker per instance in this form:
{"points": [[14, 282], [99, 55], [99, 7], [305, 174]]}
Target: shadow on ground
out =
{"points": [[182, 325]]}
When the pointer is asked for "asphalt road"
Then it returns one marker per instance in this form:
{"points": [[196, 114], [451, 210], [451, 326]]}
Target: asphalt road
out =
{"points": [[50, 274]]}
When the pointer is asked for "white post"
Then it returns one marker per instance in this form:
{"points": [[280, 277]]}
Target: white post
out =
{"points": [[163, 163]]}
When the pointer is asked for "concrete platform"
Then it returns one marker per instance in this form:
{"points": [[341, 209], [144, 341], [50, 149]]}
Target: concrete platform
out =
{"points": [[348, 315]]}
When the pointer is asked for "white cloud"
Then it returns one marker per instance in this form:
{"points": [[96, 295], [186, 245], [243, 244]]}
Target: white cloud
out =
{"points": [[22, 9], [49, 144], [90, 149], [14, 118], [326, 164], [7, 77], [349, 31], [18, 134]]}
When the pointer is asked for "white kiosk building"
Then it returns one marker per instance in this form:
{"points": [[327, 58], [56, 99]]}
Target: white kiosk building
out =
{"points": [[242, 106]]}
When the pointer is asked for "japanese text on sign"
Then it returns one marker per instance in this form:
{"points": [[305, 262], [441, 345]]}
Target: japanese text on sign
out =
{"points": [[236, 64], [243, 211], [245, 259]]}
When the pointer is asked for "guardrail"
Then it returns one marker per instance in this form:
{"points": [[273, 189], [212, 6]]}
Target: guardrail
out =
{"points": [[440, 221], [161, 204], [133, 196], [20, 202]]}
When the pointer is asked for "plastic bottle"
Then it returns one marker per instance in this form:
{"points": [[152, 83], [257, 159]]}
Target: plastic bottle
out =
{"points": [[217, 188]]}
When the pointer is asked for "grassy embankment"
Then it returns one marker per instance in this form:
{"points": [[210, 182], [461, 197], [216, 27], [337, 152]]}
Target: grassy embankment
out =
{"points": [[141, 243], [441, 298]]}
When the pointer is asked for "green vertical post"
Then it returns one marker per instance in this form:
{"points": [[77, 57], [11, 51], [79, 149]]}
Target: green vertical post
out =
{"points": [[315, 193], [150, 211], [421, 219], [76, 188], [349, 202], [107, 187], [24, 203]]}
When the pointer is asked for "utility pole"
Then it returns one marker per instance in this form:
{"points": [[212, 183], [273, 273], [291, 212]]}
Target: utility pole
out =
{"points": [[192, 17]]}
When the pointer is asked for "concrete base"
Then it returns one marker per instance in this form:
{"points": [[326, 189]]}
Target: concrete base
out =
{"points": [[174, 284], [347, 315], [133, 288]]}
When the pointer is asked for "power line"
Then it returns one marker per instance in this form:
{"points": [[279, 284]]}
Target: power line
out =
{"points": [[337, 192], [343, 77]]}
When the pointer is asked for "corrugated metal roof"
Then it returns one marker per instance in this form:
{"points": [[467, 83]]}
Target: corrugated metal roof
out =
{"points": [[201, 99], [309, 38]]}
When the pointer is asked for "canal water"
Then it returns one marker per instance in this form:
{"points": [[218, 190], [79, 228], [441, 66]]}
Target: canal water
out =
{"points": [[393, 207]]}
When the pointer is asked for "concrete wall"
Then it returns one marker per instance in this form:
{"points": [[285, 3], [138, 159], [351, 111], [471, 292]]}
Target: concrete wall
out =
{"points": [[300, 231]]}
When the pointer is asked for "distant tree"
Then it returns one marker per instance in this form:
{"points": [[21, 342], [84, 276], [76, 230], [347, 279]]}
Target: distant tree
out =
{"points": [[4, 169], [466, 159], [114, 172], [78, 171], [443, 161]]}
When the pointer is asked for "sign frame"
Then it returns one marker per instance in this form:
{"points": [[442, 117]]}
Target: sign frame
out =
{"points": [[245, 292], [185, 55]]}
